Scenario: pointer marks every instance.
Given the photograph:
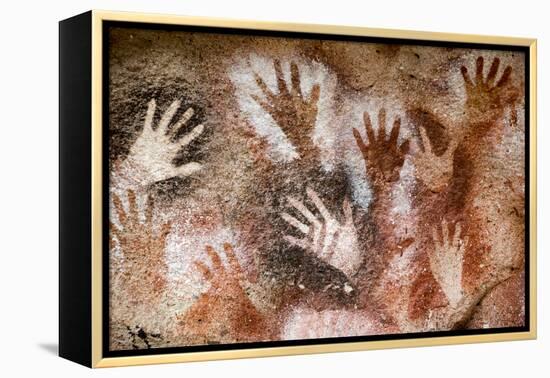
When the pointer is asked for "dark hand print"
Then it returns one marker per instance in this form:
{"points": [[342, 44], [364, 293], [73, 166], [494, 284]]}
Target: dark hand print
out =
{"points": [[485, 100], [383, 156], [291, 110]]}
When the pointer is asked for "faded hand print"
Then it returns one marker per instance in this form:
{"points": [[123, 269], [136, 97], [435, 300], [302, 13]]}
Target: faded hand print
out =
{"points": [[331, 241], [435, 171], [151, 157], [225, 309], [219, 276], [306, 324], [446, 261], [142, 245], [290, 109]]}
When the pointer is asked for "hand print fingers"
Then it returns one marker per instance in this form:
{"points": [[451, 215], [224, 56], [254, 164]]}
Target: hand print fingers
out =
{"points": [[132, 207], [122, 218], [149, 207], [112, 241], [233, 261], [425, 141], [263, 87], [167, 117], [435, 237], [464, 243], [314, 197], [315, 230], [204, 270], [394, 135], [190, 136], [281, 84], [453, 144], [368, 127], [182, 121], [514, 117], [165, 229], [161, 239], [457, 233], [330, 242], [317, 235], [348, 212], [303, 210], [505, 79], [466, 76], [217, 265], [479, 71], [148, 125], [263, 104], [295, 79], [114, 232], [188, 169], [382, 125], [295, 222], [315, 94], [332, 323], [493, 72], [360, 143], [301, 243], [445, 233]]}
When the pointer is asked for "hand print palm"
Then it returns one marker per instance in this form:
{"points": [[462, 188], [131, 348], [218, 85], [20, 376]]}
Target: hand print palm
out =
{"points": [[331, 241], [435, 171], [292, 112], [383, 157], [486, 100], [155, 149]]}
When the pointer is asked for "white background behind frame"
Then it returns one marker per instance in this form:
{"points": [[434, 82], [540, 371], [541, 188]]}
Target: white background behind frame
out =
{"points": [[29, 190]]}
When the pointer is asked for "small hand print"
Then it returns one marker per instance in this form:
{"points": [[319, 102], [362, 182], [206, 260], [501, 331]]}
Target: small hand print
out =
{"points": [[219, 276], [434, 171], [305, 323], [446, 261], [224, 313], [142, 246], [331, 241], [485, 100], [291, 110], [383, 157], [155, 149]]}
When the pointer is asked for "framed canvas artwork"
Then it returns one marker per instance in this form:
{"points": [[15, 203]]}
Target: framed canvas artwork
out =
{"points": [[236, 189]]}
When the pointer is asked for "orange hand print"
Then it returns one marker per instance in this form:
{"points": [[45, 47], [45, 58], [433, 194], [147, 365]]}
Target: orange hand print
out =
{"points": [[142, 246], [224, 313]]}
